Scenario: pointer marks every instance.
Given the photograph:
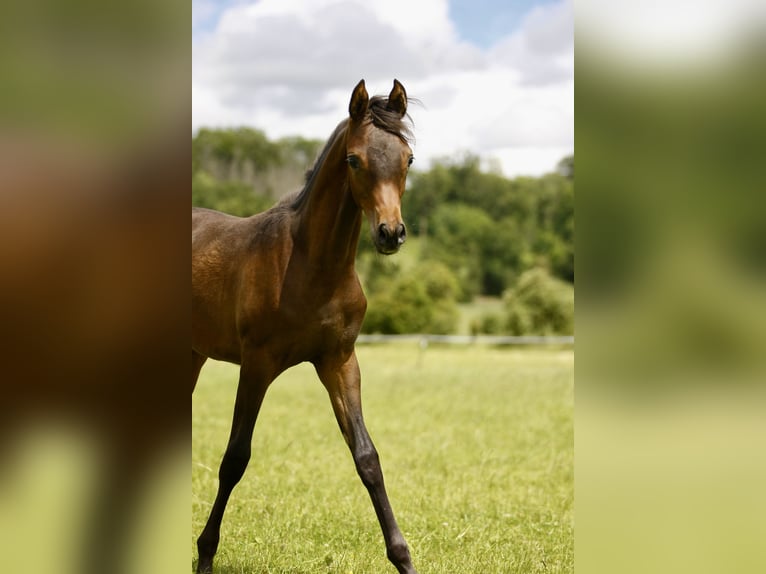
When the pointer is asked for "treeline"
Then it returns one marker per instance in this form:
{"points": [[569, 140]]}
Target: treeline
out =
{"points": [[240, 171], [490, 229], [471, 233]]}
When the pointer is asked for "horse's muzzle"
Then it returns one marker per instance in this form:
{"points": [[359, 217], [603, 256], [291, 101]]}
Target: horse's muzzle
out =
{"points": [[388, 240]]}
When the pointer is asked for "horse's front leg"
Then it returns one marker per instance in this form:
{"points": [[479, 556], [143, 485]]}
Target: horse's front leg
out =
{"points": [[254, 379], [341, 377]]}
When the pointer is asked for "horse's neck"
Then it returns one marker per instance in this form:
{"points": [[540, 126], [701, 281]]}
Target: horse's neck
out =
{"points": [[329, 222]]}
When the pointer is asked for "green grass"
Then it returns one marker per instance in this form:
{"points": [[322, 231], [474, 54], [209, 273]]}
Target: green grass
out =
{"points": [[476, 446]]}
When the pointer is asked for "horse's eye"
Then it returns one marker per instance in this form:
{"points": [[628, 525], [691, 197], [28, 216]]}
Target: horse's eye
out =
{"points": [[410, 160], [353, 161]]}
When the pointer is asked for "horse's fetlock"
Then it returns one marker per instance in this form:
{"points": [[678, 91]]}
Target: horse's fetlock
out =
{"points": [[206, 547], [399, 554]]}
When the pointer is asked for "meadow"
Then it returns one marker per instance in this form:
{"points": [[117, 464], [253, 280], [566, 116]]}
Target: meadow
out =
{"points": [[476, 445]]}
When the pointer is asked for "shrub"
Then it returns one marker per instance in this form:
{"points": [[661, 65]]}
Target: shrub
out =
{"points": [[540, 305], [488, 324], [415, 303]]}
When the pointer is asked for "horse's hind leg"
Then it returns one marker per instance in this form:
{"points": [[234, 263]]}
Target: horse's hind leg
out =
{"points": [[342, 380], [197, 362], [250, 393]]}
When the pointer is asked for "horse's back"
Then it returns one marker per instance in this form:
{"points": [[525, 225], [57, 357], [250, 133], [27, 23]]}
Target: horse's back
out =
{"points": [[214, 244], [207, 223]]}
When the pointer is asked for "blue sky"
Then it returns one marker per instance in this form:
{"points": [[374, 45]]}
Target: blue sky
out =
{"points": [[484, 22]]}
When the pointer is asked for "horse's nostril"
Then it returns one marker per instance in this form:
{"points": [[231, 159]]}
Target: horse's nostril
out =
{"points": [[383, 232], [401, 234]]}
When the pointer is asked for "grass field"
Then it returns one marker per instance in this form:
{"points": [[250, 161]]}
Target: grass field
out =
{"points": [[476, 446]]}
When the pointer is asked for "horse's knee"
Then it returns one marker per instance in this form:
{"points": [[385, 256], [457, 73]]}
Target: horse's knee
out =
{"points": [[233, 465], [368, 467]]}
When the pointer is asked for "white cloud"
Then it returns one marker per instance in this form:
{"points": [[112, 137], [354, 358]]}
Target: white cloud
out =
{"points": [[288, 67], [493, 115], [542, 51]]}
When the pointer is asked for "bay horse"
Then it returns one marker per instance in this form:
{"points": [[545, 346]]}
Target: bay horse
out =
{"points": [[280, 288]]}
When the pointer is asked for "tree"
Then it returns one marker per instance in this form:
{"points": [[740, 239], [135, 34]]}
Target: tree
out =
{"points": [[236, 198], [240, 171], [533, 222], [459, 233], [565, 167]]}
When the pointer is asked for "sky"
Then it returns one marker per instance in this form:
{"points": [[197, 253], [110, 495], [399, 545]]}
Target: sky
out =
{"points": [[495, 77]]}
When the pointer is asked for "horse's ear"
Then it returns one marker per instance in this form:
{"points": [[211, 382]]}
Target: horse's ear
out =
{"points": [[359, 100], [397, 99]]}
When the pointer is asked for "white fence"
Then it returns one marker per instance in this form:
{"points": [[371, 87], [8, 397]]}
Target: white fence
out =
{"points": [[425, 340]]}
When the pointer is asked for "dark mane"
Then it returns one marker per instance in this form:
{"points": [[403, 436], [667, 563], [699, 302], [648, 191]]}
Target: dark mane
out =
{"points": [[381, 117], [300, 198], [389, 121]]}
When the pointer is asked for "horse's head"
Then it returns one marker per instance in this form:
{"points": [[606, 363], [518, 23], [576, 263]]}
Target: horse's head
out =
{"points": [[378, 158]]}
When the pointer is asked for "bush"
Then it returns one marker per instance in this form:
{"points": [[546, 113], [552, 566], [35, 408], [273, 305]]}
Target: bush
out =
{"points": [[441, 284], [488, 324], [540, 305], [415, 303], [404, 309]]}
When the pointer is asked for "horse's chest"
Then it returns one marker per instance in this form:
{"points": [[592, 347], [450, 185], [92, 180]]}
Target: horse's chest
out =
{"points": [[305, 319], [324, 323], [333, 318]]}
